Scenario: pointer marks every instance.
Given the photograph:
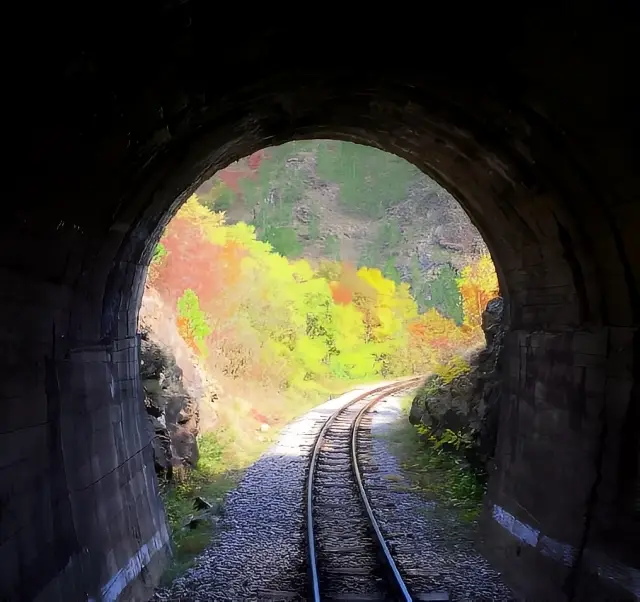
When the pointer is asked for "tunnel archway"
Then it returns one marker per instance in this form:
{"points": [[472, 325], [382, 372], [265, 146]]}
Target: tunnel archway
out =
{"points": [[540, 157]]}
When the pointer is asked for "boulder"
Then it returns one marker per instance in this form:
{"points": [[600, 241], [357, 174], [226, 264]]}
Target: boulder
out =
{"points": [[492, 319]]}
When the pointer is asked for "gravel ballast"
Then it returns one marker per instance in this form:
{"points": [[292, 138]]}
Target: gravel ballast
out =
{"points": [[433, 548], [259, 549]]}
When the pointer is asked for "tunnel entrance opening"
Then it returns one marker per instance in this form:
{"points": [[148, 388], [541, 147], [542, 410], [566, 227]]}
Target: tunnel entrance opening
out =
{"points": [[539, 155], [292, 275]]}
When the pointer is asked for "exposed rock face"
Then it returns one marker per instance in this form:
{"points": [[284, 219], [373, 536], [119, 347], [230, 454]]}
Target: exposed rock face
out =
{"points": [[470, 402], [179, 394], [173, 413]]}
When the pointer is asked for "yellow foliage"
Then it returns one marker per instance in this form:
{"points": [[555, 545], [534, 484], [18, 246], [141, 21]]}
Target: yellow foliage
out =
{"points": [[297, 322], [456, 366], [478, 284]]}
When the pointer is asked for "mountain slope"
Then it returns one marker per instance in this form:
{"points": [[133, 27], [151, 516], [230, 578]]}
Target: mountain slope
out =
{"points": [[329, 199]]}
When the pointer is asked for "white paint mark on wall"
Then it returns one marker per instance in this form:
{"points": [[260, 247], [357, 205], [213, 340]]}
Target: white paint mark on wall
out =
{"points": [[518, 529], [132, 569], [596, 562], [557, 550]]}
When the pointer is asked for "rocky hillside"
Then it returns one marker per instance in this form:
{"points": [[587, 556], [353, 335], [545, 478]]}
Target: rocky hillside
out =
{"points": [[328, 199], [179, 394]]}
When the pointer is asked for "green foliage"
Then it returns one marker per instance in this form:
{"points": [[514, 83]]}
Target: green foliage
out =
{"points": [[389, 234], [192, 321], [314, 227], [455, 367], [273, 192], [332, 247], [159, 253], [258, 315], [283, 239], [224, 456], [419, 285], [438, 469], [212, 479], [381, 249], [455, 440], [218, 198], [391, 271], [224, 201], [445, 295], [259, 312], [370, 181]]}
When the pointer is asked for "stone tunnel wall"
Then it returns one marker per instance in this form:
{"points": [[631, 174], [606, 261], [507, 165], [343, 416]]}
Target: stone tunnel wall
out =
{"points": [[118, 111], [559, 414], [80, 467]]}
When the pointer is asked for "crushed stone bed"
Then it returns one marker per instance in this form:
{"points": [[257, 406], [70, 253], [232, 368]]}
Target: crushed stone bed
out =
{"points": [[260, 547], [433, 548], [258, 552]]}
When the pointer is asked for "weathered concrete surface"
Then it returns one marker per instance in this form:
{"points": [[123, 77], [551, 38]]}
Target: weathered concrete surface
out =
{"points": [[117, 111]]}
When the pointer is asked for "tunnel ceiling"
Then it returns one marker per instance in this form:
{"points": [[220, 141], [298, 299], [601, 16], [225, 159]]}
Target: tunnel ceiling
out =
{"points": [[487, 111]]}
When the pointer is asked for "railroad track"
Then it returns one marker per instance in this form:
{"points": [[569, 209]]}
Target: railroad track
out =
{"points": [[348, 557]]}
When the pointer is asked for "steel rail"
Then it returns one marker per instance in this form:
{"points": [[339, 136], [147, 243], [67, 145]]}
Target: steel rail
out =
{"points": [[396, 579], [380, 392]]}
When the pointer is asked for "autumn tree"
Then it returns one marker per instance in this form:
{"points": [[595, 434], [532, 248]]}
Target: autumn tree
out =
{"points": [[478, 284], [256, 314]]}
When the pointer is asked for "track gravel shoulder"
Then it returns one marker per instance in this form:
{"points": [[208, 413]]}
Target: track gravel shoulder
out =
{"points": [[433, 548], [259, 551], [260, 546]]}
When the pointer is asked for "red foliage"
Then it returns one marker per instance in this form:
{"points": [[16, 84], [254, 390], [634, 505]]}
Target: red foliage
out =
{"points": [[232, 175], [253, 161], [194, 262], [259, 417], [441, 342]]}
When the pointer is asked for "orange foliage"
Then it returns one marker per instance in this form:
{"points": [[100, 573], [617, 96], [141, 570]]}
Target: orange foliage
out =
{"points": [[437, 332], [186, 334], [341, 293], [349, 285], [252, 330]]}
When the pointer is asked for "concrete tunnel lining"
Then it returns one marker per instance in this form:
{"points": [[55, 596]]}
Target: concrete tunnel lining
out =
{"points": [[547, 177]]}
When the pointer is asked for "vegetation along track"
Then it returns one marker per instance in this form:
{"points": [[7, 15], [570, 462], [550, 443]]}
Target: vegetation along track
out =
{"points": [[348, 558]]}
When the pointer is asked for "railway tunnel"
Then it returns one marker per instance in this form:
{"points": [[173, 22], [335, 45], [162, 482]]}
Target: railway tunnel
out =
{"points": [[117, 113]]}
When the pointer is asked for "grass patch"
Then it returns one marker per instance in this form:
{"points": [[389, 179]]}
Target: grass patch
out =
{"points": [[225, 454], [212, 479], [441, 475]]}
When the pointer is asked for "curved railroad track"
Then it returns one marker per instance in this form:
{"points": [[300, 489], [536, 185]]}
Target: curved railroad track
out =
{"points": [[348, 558]]}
